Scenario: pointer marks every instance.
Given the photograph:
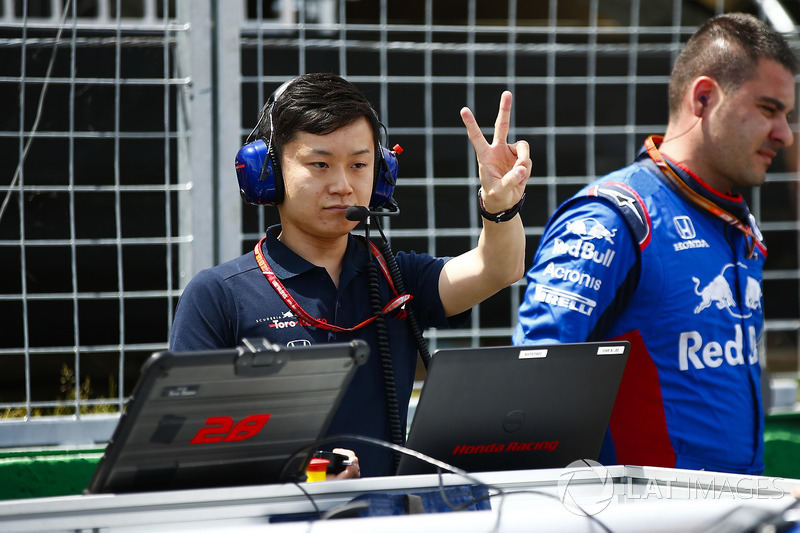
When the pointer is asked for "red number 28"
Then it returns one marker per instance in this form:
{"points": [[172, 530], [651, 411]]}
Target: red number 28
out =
{"points": [[222, 429]]}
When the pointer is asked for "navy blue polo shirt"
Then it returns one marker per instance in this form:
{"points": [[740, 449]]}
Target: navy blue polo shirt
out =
{"points": [[222, 305]]}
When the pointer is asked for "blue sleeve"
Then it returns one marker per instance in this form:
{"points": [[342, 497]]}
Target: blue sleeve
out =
{"points": [[581, 275], [205, 317]]}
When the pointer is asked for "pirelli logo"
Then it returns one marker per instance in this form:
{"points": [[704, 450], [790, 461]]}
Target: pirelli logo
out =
{"points": [[566, 299]]}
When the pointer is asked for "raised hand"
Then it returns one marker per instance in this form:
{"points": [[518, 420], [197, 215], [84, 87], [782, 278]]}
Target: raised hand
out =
{"points": [[504, 169]]}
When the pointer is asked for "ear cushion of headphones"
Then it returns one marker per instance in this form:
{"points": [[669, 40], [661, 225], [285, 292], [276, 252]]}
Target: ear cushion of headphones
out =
{"points": [[260, 182], [385, 179]]}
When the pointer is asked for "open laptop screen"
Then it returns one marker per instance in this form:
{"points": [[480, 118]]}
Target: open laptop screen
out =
{"points": [[515, 407], [225, 417]]}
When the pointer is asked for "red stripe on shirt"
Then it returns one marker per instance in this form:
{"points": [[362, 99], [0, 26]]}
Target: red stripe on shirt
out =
{"points": [[638, 423]]}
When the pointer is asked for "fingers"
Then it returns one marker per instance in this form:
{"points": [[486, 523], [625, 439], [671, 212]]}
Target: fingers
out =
{"points": [[502, 124], [522, 167], [351, 471], [473, 130], [503, 121], [344, 451], [523, 151]]}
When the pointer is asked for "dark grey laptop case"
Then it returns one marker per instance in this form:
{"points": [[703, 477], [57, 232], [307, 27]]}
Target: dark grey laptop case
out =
{"points": [[225, 417], [515, 407]]}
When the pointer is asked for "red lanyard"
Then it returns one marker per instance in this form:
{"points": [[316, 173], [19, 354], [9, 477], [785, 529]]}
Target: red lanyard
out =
{"points": [[398, 301], [699, 200]]}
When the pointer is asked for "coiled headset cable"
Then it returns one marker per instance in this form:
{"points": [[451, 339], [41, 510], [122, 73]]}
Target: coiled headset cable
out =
{"points": [[384, 348]]}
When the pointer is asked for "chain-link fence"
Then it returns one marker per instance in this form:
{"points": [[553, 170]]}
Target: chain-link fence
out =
{"points": [[118, 147]]}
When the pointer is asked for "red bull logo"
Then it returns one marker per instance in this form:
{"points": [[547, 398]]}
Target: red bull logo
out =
{"points": [[583, 250], [589, 229], [753, 294], [718, 293], [694, 350]]}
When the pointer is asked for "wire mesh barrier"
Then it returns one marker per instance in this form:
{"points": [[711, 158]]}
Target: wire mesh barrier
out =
{"points": [[117, 169], [88, 222]]}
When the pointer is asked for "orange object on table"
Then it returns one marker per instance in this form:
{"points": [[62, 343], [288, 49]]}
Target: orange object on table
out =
{"points": [[317, 469]]}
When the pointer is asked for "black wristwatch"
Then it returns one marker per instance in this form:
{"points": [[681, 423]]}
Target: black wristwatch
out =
{"points": [[502, 216]]}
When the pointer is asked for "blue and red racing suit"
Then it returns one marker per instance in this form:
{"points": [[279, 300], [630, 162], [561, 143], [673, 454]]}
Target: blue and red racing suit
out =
{"points": [[630, 257]]}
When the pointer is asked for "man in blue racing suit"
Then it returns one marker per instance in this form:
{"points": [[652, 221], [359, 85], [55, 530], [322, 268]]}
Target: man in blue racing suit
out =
{"points": [[663, 254]]}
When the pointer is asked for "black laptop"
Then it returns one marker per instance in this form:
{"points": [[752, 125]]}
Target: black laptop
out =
{"points": [[515, 407], [226, 417]]}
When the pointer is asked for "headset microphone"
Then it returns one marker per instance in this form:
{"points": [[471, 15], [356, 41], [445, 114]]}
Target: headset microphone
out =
{"points": [[359, 213]]}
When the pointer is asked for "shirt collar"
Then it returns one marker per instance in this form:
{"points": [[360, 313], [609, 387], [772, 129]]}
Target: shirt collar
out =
{"points": [[733, 204], [286, 264]]}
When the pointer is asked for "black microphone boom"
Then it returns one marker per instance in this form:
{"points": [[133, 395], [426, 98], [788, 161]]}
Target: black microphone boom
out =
{"points": [[356, 213], [359, 213]]}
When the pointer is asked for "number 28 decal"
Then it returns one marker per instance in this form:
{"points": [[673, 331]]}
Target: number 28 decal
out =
{"points": [[222, 429]]}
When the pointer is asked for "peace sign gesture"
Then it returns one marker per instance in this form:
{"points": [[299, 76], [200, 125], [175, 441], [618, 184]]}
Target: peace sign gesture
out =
{"points": [[498, 260], [504, 168]]}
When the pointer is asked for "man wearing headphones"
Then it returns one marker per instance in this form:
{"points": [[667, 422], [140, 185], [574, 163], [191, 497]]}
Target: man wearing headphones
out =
{"points": [[306, 282], [664, 254]]}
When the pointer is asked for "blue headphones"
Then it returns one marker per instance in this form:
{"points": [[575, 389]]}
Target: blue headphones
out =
{"points": [[261, 182]]}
